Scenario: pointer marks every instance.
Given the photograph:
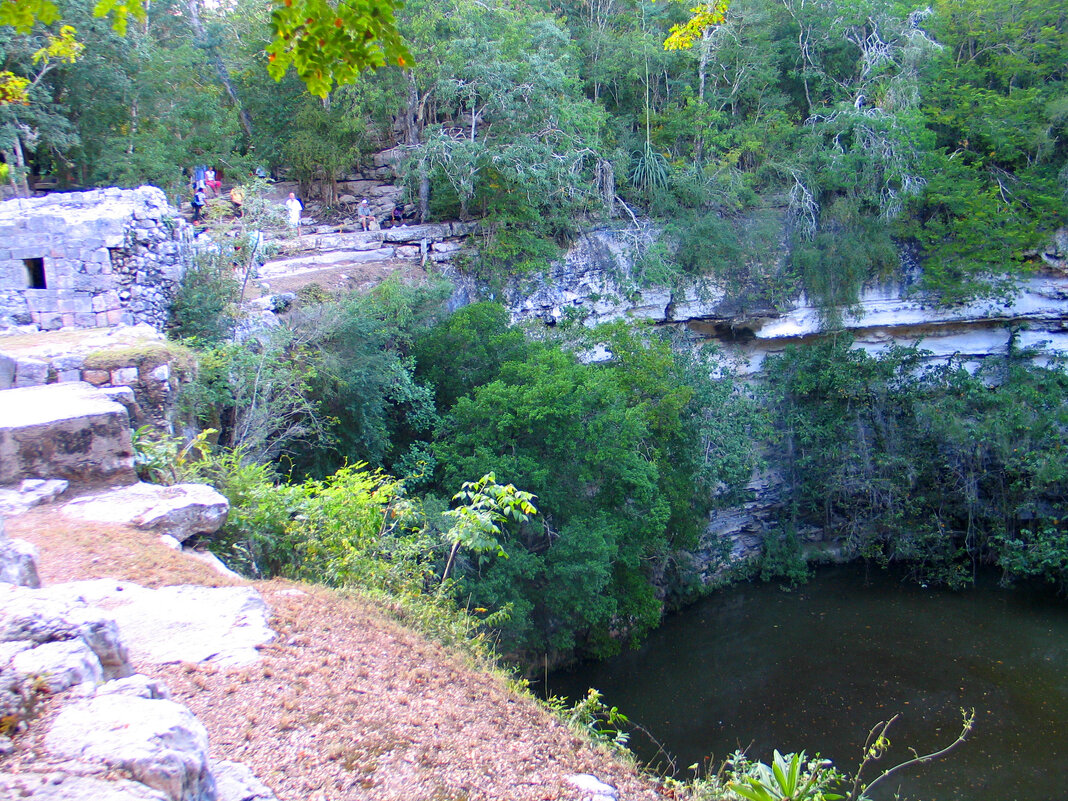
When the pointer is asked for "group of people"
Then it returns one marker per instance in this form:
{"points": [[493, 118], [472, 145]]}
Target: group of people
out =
{"points": [[205, 180], [368, 221]]}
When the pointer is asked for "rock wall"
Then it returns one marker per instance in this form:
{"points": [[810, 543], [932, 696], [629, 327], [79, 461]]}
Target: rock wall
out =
{"points": [[376, 181], [89, 259], [594, 283], [438, 243]]}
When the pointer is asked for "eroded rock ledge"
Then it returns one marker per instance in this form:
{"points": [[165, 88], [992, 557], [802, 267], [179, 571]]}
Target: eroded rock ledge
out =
{"points": [[594, 283]]}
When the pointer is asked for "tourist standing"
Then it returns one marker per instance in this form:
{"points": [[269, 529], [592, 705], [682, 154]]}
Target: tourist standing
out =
{"points": [[294, 207], [198, 203]]}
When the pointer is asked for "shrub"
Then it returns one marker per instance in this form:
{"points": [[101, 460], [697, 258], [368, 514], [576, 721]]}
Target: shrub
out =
{"points": [[205, 305]]}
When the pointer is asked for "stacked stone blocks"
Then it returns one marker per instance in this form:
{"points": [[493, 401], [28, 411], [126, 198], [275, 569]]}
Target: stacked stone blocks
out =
{"points": [[89, 259]]}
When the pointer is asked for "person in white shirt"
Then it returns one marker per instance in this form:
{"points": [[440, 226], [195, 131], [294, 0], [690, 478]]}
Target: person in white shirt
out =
{"points": [[294, 207], [363, 211]]}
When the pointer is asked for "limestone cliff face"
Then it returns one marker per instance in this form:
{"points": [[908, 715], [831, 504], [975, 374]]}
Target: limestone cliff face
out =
{"points": [[594, 283]]}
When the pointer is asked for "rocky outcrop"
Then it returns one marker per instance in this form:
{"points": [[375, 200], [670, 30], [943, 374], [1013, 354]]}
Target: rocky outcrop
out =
{"points": [[70, 431], [593, 788], [158, 742], [30, 492], [236, 782], [135, 357], [58, 642], [180, 511], [435, 242], [18, 561], [89, 259], [61, 786], [594, 283], [38, 617], [186, 623]]}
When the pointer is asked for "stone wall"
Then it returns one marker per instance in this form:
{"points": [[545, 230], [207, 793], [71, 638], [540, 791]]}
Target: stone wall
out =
{"points": [[89, 259], [439, 243], [136, 358]]}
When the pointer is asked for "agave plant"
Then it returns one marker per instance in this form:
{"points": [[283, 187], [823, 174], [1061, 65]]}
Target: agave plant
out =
{"points": [[649, 170], [789, 778]]}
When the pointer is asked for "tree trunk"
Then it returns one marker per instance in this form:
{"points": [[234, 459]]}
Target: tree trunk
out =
{"points": [[411, 114], [413, 128], [133, 127], [424, 193], [9, 160], [217, 62], [20, 174]]}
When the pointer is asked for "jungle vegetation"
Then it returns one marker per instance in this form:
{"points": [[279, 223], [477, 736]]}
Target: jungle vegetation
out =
{"points": [[940, 466], [853, 129], [866, 125]]}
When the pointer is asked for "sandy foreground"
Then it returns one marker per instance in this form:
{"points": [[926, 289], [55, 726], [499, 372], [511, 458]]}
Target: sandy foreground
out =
{"points": [[346, 703]]}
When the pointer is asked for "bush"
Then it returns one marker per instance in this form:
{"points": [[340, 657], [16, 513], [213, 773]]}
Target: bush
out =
{"points": [[205, 305]]}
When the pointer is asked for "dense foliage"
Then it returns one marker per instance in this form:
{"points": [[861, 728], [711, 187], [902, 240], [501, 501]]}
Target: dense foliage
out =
{"points": [[624, 457], [856, 124], [941, 466]]}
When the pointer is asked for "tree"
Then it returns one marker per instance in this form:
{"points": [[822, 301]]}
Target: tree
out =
{"points": [[477, 522], [30, 118], [326, 43], [364, 381], [624, 462], [498, 124], [467, 350]]}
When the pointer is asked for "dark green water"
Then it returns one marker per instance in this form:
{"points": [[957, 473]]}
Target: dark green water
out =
{"points": [[754, 667]]}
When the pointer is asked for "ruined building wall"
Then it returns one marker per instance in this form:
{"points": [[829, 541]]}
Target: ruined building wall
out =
{"points": [[90, 259]]}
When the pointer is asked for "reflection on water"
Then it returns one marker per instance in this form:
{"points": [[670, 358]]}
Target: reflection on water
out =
{"points": [[757, 668]]}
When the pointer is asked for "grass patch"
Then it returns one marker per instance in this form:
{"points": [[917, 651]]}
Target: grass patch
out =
{"points": [[141, 354]]}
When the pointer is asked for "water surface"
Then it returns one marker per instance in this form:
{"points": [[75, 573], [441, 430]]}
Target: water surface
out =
{"points": [[757, 668]]}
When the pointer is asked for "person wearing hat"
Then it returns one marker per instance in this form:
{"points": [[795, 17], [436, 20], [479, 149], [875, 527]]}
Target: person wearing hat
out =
{"points": [[363, 211]]}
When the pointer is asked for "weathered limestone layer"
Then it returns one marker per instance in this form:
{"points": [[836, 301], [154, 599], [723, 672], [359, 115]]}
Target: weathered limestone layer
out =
{"points": [[594, 283]]}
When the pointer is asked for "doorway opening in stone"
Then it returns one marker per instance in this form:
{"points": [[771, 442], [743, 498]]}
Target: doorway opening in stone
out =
{"points": [[35, 274]]}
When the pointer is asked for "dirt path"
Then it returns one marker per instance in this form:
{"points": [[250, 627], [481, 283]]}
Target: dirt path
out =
{"points": [[346, 703], [346, 277]]}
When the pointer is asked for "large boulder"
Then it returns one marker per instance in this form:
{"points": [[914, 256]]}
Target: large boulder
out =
{"points": [[71, 431], [181, 511], [157, 741]]}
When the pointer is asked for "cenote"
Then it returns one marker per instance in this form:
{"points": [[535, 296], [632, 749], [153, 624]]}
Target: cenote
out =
{"points": [[758, 668]]}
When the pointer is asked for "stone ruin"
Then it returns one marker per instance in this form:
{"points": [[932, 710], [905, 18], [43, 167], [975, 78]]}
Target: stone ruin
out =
{"points": [[90, 259]]}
